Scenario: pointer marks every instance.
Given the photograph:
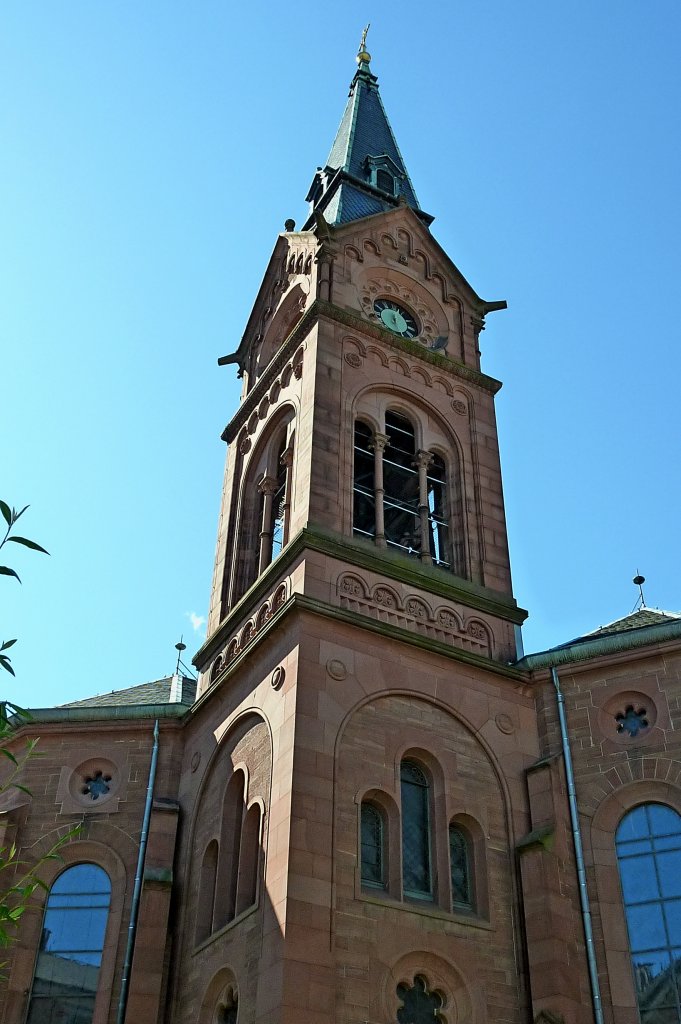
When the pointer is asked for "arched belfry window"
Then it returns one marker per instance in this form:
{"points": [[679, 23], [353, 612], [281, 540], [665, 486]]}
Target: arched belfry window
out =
{"points": [[648, 842], [416, 856], [265, 506], [71, 944], [400, 493], [401, 486], [364, 502], [373, 847]]}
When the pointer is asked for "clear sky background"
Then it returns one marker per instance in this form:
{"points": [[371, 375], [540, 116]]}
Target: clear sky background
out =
{"points": [[151, 153]]}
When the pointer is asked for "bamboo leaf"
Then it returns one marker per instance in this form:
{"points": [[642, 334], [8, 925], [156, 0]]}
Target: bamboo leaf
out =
{"points": [[10, 755], [6, 512], [28, 544], [7, 643], [6, 571]]}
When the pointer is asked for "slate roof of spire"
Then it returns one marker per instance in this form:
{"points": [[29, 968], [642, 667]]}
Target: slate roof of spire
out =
{"points": [[345, 188]]}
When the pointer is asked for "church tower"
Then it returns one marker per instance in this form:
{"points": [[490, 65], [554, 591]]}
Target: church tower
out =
{"points": [[361, 734]]}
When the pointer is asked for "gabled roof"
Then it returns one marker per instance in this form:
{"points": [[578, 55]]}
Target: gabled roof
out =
{"points": [[345, 188], [636, 620], [169, 690], [641, 619]]}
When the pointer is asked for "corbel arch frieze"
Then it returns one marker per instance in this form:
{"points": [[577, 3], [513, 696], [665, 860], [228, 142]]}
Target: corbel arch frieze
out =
{"points": [[413, 612]]}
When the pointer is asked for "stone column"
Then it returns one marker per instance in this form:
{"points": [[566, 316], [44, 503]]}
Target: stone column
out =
{"points": [[378, 447], [267, 486], [422, 462]]}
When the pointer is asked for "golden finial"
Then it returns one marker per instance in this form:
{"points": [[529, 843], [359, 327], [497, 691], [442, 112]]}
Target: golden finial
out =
{"points": [[363, 55]]}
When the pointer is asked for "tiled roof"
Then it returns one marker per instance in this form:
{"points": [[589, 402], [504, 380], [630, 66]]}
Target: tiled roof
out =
{"points": [[635, 620], [160, 691]]}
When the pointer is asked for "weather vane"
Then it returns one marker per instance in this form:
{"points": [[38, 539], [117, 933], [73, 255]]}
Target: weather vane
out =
{"points": [[363, 55], [638, 581]]}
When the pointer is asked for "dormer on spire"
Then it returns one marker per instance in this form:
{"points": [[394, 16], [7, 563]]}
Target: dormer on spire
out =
{"points": [[365, 172]]}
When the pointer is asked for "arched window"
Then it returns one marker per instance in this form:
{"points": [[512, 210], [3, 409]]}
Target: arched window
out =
{"points": [[265, 508], [400, 494], [460, 867], [249, 860], [415, 791], [401, 486], [364, 502], [372, 847], [204, 911], [230, 844], [71, 944], [438, 513], [648, 842]]}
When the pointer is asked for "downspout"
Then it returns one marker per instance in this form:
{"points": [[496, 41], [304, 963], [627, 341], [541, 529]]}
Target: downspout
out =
{"points": [[137, 891], [579, 853]]}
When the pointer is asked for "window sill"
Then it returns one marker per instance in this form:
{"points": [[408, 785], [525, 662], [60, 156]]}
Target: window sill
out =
{"points": [[469, 918], [225, 928]]}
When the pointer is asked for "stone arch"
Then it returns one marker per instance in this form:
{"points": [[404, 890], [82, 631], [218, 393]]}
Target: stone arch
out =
{"points": [[443, 976], [218, 987]]}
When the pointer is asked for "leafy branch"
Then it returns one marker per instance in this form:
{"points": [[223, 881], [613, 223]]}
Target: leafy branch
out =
{"points": [[11, 516]]}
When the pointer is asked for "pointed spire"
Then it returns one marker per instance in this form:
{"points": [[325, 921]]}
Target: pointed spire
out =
{"points": [[365, 172]]}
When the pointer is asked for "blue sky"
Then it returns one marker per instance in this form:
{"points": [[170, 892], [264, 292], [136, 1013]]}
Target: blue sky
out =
{"points": [[151, 153]]}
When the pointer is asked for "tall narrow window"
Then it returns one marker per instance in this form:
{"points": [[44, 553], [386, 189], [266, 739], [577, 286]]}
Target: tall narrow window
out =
{"points": [[460, 866], [401, 486], [416, 874], [204, 910], [249, 860], [230, 842], [364, 502], [648, 843], [373, 847], [277, 513], [438, 525], [70, 955]]}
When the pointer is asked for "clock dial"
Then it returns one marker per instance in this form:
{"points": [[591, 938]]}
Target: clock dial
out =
{"points": [[396, 318]]}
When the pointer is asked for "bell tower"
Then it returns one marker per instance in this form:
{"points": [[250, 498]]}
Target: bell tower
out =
{"points": [[361, 628]]}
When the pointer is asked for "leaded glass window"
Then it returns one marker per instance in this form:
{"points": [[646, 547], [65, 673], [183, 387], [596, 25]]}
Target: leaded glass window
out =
{"points": [[373, 870], [419, 1005], [401, 486], [648, 843], [71, 944], [416, 874], [364, 501], [460, 865]]}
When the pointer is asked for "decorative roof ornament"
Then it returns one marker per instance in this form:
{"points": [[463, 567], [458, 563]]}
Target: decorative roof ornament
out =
{"points": [[363, 55]]}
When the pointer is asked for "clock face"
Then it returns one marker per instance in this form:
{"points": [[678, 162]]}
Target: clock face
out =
{"points": [[396, 318]]}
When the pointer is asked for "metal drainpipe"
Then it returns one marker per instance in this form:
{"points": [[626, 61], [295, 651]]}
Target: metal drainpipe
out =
{"points": [[137, 891], [579, 853]]}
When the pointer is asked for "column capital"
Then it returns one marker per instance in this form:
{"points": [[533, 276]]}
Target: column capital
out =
{"points": [[267, 484], [378, 442], [422, 459]]}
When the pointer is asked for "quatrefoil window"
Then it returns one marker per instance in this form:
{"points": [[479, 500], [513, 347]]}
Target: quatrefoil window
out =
{"points": [[631, 721], [419, 1005], [96, 785]]}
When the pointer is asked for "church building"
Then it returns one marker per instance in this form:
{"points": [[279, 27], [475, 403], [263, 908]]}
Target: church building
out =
{"points": [[373, 808]]}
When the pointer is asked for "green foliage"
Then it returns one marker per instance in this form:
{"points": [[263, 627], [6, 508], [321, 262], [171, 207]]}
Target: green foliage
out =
{"points": [[10, 515], [16, 899]]}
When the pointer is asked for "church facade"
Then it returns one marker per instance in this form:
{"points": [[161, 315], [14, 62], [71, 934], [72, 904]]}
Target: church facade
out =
{"points": [[373, 808]]}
